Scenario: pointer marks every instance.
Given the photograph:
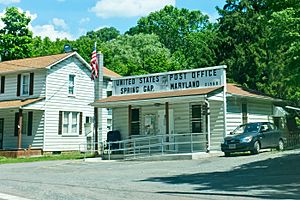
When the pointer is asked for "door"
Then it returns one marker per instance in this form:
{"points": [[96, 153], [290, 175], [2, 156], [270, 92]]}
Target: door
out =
{"points": [[265, 136], [1, 132], [161, 125], [161, 122]]}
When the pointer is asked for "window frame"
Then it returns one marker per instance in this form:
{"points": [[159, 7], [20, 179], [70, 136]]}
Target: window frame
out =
{"points": [[22, 84], [135, 121], [198, 119], [70, 123], [71, 85]]}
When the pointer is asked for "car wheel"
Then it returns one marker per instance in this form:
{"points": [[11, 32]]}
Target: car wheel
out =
{"points": [[256, 148], [280, 146], [227, 154]]}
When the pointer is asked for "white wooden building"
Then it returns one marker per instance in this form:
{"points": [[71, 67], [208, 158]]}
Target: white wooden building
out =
{"points": [[44, 103], [180, 102]]}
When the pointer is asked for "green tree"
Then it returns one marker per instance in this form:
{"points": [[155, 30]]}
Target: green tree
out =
{"points": [[178, 29], [103, 34], [260, 45], [243, 31], [138, 54], [15, 37]]}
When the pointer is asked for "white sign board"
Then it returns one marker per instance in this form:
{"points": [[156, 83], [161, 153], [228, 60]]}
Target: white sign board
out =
{"points": [[170, 81]]}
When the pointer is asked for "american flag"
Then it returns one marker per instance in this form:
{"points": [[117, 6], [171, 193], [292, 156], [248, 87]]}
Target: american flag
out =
{"points": [[94, 64]]}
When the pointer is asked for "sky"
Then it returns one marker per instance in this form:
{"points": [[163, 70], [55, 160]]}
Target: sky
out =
{"points": [[73, 18]]}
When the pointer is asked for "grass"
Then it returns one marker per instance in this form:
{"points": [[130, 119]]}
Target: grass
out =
{"points": [[66, 156]]}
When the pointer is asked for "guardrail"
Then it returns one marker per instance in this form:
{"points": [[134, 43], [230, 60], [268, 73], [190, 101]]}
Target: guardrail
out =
{"points": [[146, 146]]}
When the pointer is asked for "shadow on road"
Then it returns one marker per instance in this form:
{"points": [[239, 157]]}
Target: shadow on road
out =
{"points": [[276, 178]]}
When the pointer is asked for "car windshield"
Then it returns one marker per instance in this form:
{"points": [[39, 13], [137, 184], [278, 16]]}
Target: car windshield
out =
{"points": [[246, 128]]}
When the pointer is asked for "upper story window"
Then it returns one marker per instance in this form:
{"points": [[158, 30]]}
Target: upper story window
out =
{"points": [[25, 84], [71, 84]]}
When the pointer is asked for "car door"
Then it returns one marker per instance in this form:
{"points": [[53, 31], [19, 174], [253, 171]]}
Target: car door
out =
{"points": [[265, 136], [275, 135]]}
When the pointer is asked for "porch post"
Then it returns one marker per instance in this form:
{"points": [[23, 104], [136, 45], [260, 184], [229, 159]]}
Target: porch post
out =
{"points": [[96, 128], [20, 128], [129, 119]]}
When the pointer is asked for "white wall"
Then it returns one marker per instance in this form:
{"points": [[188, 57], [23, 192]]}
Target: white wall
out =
{"points": [[258, 111], [216, 124], [57, 99], [10, 91]]}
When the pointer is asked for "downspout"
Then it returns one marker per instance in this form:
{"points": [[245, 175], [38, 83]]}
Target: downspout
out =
{"points": [[208, 125]]}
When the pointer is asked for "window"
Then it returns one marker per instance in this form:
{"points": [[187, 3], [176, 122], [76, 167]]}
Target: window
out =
{"points": [[244, 113], [70, 123], [25, 84], [71, 84], [196, 119], [135, 121]]}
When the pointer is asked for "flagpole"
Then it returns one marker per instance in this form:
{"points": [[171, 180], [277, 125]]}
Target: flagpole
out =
{"points": [[98, 83]]}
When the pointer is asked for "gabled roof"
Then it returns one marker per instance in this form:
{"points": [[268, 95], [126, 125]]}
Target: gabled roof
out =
{"points": [[43, 62], [234, 89], [18, 103]]}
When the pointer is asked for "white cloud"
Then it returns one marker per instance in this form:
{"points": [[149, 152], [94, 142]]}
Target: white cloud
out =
{"points": [[59, 23], [84, 20], [128, 8], [6, 2], [48, 30]]}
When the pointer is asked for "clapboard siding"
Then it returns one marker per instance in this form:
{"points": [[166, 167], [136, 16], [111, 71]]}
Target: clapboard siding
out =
{"points": [[35, 141], [58, 99], [260, 111], [120, 121], [181, 118], [216, 124], [10, 91], [234, 115]]}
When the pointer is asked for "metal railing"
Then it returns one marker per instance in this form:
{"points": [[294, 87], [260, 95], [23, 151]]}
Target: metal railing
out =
{"points": [[146, 146]]}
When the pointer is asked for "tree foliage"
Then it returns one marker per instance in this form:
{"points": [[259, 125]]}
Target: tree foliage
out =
{"points": [[15, 37], [104, 34], [178, 29], [260, 44], [259, 41], [138, 54]]}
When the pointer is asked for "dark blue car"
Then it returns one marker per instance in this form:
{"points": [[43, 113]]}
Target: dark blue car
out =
{"points": [[253, 137]]}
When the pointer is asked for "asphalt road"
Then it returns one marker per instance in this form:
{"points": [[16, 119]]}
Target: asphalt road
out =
{"points": [[269, 175]]}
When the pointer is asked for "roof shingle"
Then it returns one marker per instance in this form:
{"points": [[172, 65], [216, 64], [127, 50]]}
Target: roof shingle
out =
{"points": [[41, 62]]}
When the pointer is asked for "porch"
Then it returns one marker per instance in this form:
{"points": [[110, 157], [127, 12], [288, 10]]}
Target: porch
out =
{"points": [[21, 128]]}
